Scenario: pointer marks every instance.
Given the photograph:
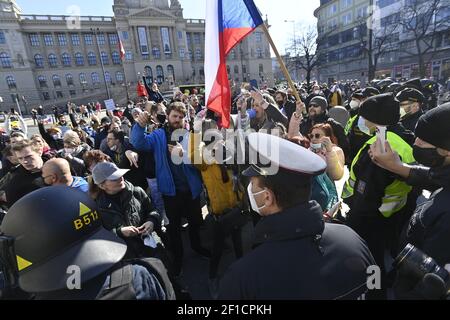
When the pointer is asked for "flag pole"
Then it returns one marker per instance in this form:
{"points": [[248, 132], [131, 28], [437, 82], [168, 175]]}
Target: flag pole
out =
{"points": [[281, 62]]}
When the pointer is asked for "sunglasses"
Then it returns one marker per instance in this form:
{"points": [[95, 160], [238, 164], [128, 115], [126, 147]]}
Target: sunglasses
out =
{"points": [[314, 106], [317, 136]]}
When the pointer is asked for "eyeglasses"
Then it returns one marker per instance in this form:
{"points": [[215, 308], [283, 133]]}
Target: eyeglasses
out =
{"points": [[312, 136], [314, 106]]}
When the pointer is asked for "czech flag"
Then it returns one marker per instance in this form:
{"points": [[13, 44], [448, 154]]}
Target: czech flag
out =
{"points": [[227, 23], [121, 49]]}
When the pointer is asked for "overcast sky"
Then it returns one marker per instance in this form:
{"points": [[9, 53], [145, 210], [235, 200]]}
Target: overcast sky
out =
{"points": [[277, 11]]}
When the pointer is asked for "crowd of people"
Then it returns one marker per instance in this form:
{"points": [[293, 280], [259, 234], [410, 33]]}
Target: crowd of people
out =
{"points": [[149, 168]]}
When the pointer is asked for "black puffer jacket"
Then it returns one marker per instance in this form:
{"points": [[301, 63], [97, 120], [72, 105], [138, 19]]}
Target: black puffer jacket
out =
{"points": [[298, 256], [131, 207]]}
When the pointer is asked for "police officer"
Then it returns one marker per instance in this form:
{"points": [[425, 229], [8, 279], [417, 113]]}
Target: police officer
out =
{"points": [[411, 102], [296, 255], [375, 196], [63, 252], [429, 228], [356, 137]]}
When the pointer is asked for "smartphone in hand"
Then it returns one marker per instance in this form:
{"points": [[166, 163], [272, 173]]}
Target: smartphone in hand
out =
{"points": [[381, 137]]}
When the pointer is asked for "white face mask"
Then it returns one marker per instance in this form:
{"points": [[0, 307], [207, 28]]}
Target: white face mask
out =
{"points": [[69, 150], [113, 148], [403, 113], [56, 136], [252, 199], [354, 104], [316, 146], [316, 91], [363, 127]]}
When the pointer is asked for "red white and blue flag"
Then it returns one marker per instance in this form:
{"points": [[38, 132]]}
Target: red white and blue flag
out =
{"points": [[227, 23]]}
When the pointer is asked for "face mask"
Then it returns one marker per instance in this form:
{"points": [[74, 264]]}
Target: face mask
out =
{"points": [[161, 118], [316, 91], [113, 148], [354, 104], [363, 127], [251, 113], [56, 136], [69, 150], [316, 146], [428, 157], [252, 199]]}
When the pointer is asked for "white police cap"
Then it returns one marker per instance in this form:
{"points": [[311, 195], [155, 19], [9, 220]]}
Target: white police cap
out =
{"points": [[269, 154]]}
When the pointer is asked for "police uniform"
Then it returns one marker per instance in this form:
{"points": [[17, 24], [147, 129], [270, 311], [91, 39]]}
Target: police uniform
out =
{"points": [[376, 197], [357, 138], [429, 227], [411, 95], [296, 255], [60, 241]]}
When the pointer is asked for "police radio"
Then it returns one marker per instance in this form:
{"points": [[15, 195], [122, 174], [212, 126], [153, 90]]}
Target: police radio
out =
{"points": [[9, 273]]}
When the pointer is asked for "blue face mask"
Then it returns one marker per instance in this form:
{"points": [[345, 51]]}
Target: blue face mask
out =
{"points": [[251, 113], [363, 127]]}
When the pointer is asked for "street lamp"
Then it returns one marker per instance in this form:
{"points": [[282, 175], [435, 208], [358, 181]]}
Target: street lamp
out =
{"points": [[95, 32]]}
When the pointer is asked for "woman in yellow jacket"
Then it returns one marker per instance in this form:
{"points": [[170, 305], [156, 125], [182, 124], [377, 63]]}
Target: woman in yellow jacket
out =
{"points": [[225, 194]]}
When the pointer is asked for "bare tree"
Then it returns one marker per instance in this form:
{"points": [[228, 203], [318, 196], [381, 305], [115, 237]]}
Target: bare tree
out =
{"points": [[377, 38], [422, 20], [305, 53]]}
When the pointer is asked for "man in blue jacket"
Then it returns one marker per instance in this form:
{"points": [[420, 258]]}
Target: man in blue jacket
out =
{"points": [[178, 181]]}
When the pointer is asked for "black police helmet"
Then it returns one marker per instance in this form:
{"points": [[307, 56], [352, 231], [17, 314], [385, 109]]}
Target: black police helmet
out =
{"points": [[56, 228]]}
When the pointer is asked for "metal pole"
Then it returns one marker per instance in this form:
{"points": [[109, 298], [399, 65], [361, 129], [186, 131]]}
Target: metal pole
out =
{"points": [[18, 106], [101, 61]]}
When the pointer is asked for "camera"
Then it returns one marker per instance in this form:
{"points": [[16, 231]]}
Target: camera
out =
{"points": [[417, 264]]}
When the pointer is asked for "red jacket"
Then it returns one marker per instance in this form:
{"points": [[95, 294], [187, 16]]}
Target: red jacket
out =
{"points": [[141, 91]]}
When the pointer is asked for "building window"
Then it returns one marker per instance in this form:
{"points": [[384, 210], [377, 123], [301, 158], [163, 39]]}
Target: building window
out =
{"points": [[66, 61], [188, 39], [113, 40], [171, 72], [92, 59], [198, 54], [156, 53], [5, 59], [201, 72], [180, 35], [361, 12], [62, 39], [46, 95], [69, 80], [48, 39], [259, 53], [236, 69], [52, 60], [108, 77], [159, 74], [120, 77], [190, 57], [39, 61], [182, 53], [79, 60], [332, 10], [2, 38], [75, 39], [95, 78], [59, 95], [197, 38], [115, 57], [244, 69], [346, 4], [129, 55], [88, 40], [385, 3], [34, 40], [56, 81], [42, 82], [72, 93], [83, 80], [125, 35], [228, 70], [11, 82], [148, 72], [346, 18], [233, 54], [101, 39], [104, 57], [258, 36]]}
